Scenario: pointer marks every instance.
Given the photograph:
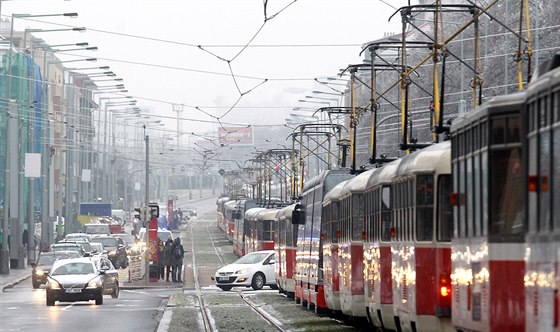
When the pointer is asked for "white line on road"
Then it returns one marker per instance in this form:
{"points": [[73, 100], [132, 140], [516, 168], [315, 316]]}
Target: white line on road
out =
{"points": [[68, 307]]}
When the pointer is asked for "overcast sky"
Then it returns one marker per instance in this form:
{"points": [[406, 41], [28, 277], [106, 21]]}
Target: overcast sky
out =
{"points": [[152, 46]]}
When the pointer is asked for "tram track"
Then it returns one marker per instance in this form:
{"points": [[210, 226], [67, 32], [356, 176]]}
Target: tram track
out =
{"points": [[207, 319]]}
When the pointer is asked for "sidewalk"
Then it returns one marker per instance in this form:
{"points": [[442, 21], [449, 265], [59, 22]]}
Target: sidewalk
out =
{"points": [[15, 277]]}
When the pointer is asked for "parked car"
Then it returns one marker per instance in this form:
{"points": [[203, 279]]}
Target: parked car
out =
{"points": [[116, 250], [66, 246], [81, 279], [255, 270], [43, 265]]}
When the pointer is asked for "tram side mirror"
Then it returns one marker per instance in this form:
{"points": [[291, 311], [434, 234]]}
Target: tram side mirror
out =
{"points": [[298, 217]]}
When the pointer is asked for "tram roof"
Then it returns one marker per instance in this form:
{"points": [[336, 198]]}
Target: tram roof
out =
{"points": [[335, 193], [286, 212], [253, 212], [433, 159], [267, 214], [384, 175], [321, 178], [496, 105]]}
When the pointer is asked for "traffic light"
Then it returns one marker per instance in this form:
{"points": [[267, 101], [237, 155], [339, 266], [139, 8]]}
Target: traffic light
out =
{"points": [[153, 209]]}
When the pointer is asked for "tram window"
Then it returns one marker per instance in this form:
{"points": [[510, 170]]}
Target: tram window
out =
{"points": [[358, 216], [506, 192], [484, 190], [386, 214], [424, 207], [483, 133], [543, 111], [477, 190], [555, 107], [470, 197], [468, 141], [556, 177], [498, 131], [445, 210], [268, 233], [514, 130], [544, 172]]}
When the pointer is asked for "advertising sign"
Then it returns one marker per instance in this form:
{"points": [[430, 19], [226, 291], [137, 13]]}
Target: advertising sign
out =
{"points": [[235, 135]]}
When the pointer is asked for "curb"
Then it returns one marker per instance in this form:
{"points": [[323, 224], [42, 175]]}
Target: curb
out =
{"points": [[15, 282]]}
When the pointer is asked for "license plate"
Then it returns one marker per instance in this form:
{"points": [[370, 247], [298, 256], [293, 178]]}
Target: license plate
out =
{"points": [[223, 278], [73, 290]]}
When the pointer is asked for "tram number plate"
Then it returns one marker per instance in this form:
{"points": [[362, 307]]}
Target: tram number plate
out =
{"points": [[73, 290], [223, 278]]}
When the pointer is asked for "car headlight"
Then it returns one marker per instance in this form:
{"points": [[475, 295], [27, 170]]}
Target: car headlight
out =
{"points": [[243, 271], [52, 284], [39, 272], [94, 283]]}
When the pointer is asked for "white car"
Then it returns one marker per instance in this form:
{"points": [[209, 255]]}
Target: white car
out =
{"points": [[255, 270]]}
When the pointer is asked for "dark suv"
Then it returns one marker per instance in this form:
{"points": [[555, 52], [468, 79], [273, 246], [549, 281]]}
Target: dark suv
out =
{"points": [[116, 249]]}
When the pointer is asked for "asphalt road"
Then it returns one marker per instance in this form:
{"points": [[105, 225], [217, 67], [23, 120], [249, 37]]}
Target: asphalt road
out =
{"points": [[23, 308]]}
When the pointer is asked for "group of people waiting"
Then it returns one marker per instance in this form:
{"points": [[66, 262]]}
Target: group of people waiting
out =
{"points": [[170, 259]]}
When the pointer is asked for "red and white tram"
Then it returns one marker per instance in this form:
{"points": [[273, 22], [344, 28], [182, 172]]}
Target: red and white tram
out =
{"points": [[285, 247], [378, 287], [542, 138], [330, 234], [489, 232], [309, 260], [421, 246], [239, 229], [264, 232], [351, 246], [220, 206], [229, 214], [247, 231]]}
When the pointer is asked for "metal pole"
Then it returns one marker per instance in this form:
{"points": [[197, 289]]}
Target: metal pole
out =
{"points": [[147, 194], [45, 162]]}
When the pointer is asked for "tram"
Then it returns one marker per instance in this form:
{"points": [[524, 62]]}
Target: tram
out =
{"points": [[378, 287], [246, 232], [285, 247], [263, 230], [220, 207], [309, 261], [330, 233]]}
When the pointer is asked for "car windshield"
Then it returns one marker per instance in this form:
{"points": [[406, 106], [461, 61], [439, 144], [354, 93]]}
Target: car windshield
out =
{"points": [[74, 268], [252, 258], [49, 259], [107, 242]]}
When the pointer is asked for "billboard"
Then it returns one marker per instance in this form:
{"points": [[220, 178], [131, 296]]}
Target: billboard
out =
{"points": [[236, 135]]}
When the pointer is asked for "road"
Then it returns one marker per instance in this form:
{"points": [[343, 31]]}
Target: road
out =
{"points": [[23, 308]]}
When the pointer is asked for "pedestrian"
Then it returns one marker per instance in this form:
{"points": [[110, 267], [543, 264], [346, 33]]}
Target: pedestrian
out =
{"points": [[161, 259], [178, 255], [169, 259]]}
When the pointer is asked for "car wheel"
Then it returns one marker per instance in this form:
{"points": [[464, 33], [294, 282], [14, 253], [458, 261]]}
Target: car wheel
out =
{"points": [[258, 281], [99, 299], [50, 301], [35, 284], [115, 293], [225, 288]]}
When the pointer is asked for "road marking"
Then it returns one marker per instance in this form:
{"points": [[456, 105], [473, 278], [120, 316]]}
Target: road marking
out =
{"points": [[68, 306], [135, 292]]}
